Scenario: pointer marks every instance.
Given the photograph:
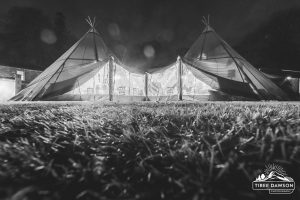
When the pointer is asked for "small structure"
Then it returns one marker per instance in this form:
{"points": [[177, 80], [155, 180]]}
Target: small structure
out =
{"points": [[13, 80]]}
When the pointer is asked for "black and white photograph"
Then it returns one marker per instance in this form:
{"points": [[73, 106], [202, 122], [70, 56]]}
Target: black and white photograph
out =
{"points": [[149, 99]]}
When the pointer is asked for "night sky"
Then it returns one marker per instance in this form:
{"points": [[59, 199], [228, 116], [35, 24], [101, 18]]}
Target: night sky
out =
{"points": [[169, 26]]}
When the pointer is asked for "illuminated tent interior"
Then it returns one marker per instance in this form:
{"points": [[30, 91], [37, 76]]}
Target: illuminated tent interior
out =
{"points": [[177, 82], [88, 71], [225, 70]]}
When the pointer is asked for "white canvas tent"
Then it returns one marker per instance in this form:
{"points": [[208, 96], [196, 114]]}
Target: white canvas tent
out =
{"points": [[87, 71], [225, 70]]}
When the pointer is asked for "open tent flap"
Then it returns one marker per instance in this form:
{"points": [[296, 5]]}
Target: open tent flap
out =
{"points": [[201, 83], [228, 86], [223, 67], [93, 85], [97, 83], [211, 81], [69, 78], [191, 85], [126, 83], [164, 83]]}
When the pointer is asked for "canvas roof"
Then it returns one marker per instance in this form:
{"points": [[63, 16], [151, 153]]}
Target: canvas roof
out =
{"points": [[227, 71]]}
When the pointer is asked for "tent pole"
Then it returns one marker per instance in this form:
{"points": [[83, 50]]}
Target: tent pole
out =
{"points": [[204, 40], [95, 45], [96, 52], [250, 82], [179, 78], [298, 85], [110, 78], [129, 85], [233, 58], [146, 86]]}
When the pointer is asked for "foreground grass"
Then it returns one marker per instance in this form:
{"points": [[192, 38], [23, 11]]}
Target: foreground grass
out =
{"points": [[145, 151]]}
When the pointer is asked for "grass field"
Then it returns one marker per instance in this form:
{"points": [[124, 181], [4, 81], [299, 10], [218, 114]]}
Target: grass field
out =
{"points": [[145, 150]]}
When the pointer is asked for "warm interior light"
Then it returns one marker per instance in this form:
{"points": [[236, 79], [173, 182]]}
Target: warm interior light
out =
{"points": [[117, 77], [288, 78], [7, 88]]}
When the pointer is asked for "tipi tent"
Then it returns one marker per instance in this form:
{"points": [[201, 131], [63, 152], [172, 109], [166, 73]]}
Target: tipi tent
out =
{"points": [[87, 71], [225, 70]]}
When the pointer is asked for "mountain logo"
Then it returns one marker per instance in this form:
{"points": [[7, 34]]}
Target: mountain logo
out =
{"points": [[275, 180]]}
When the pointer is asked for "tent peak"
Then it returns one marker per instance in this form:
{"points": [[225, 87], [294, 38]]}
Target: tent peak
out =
{"points": [[205, 20], [91, 22], [207, 24]]}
